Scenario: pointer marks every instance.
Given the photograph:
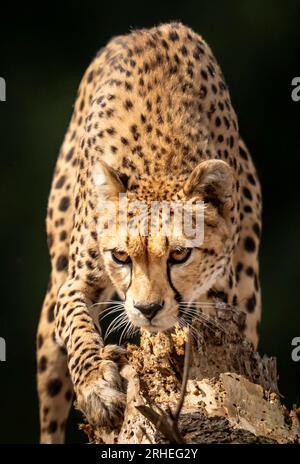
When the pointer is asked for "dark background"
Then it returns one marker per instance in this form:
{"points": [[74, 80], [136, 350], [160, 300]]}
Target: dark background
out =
{"points": [[43, 54]]}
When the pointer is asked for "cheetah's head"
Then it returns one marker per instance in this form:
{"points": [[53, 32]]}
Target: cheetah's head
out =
{"points": [[158, 274]]}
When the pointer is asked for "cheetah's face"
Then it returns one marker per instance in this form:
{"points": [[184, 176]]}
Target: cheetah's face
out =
{"points": [[158, 275]]}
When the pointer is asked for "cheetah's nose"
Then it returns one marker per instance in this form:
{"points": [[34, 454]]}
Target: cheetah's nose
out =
{"points": [[149, 310]]}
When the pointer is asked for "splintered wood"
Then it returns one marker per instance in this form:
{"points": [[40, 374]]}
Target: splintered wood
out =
{"points": [[231, 395]]}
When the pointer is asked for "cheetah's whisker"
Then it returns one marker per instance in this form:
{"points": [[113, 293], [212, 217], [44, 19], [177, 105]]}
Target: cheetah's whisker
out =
{"points": [[125, 331], [115, 310], [204, 319], [183, 323], [114, 322], [106, 303], [116, 327], [107, 310]]}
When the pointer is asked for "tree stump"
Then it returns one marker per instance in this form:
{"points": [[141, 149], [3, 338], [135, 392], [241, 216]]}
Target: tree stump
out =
{"points": [[231, 394]]}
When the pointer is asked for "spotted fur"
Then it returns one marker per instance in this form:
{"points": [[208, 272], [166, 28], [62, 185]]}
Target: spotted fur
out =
{"points": [[154, 106]]}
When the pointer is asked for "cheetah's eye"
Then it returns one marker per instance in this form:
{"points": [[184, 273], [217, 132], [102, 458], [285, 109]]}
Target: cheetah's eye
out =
{"points": [[179, 255], [120, 257]]}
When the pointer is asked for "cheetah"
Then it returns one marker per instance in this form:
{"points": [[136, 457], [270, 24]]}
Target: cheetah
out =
{"points": [[153, 120]]}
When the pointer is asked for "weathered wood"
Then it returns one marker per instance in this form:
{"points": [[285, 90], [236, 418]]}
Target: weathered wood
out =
{"points": [[232, 394]]}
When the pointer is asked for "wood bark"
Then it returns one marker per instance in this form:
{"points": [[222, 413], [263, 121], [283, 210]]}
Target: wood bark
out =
{"points": [[231, 396]]}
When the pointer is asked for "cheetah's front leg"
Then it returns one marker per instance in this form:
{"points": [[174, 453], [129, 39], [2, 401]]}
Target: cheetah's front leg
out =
{"points": [[94, 369]]}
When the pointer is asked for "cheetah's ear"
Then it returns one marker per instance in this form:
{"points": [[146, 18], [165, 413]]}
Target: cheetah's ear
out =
{"points": [[213, 180], [108, 181]]}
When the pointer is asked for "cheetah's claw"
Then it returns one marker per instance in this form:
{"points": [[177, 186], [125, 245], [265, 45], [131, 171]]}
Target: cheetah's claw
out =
{"points": [[101, 398]]}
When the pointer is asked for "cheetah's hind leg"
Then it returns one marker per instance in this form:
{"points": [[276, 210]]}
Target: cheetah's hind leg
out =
{"points": [[54, 384]]}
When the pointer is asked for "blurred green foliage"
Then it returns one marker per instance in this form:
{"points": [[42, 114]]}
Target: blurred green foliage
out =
{"points": [[43, 56]]}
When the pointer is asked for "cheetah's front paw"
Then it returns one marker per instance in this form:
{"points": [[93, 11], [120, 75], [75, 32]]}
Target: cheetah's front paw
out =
{"points": [[101, 398]]}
